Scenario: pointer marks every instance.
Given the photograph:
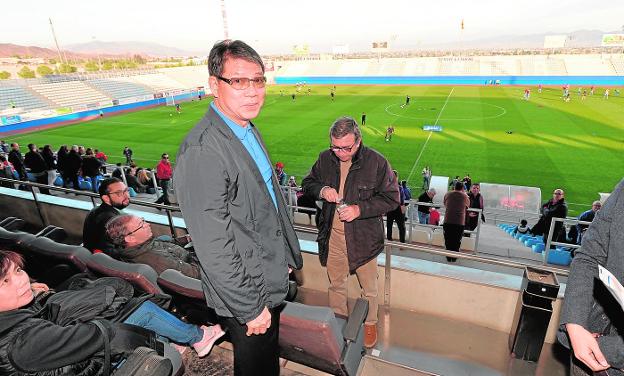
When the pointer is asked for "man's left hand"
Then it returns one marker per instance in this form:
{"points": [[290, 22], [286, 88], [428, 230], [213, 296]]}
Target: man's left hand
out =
{"points": [[349, 213]]}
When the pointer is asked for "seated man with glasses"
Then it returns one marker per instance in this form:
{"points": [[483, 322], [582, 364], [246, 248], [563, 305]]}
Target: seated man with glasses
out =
{"points": [[135, 243], [114, 195]]}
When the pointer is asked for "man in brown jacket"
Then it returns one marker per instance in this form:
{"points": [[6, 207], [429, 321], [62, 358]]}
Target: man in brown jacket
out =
{"points": [[358, 187], [456, 202], [136, 244]]}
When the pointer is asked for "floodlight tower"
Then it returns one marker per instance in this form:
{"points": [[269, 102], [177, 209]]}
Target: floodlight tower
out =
{"points": [[56, 42], [224, 15]]}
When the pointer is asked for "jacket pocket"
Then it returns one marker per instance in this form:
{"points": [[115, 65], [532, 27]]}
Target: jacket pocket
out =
{"points": [[365, 192]]}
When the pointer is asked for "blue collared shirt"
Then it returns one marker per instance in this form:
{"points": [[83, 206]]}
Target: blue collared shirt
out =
{"points": [[251, 144]]}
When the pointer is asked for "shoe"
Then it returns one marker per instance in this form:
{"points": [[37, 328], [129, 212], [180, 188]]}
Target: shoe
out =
{"points": [[211, 335], [370, 335]]}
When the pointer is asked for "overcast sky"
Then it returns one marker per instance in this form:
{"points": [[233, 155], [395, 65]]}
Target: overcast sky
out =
{"points": [[276, 25]]}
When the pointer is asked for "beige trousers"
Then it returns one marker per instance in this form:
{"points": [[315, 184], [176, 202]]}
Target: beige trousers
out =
{"points": [[338, 272]]}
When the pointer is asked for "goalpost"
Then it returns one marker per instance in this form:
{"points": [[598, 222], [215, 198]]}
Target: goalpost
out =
{"points": [[170, 100]]}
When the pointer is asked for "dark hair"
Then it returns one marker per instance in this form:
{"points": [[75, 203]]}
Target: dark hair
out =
{"points": [[228, 49], [31, 147], [343, 126], [6, 259], [523, 222], [103, 189], [459, 186], [163, 155]]}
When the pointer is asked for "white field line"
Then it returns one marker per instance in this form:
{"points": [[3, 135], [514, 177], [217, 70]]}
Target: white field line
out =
{"points": [[429, 137]]}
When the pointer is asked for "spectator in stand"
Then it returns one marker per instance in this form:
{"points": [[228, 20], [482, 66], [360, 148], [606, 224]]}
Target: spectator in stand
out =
{"points": [[398, 215], [118, 171], [164, 173], [591, 319], [522, 228], [587, 216], [476, 202], [114, 195], [50, 160], [73, 162], [127, 152], [91, 168], [553, 208], [133, 181], [4, 147], [406, 191], [144, 176], [48, 333], [81, 151], [424, 210], [350, 238], [16, 158], [135, 243], [281, 175], [6, 171], [434, 216], [456, 202], [37, 165], [100, 156], [61, 162]]}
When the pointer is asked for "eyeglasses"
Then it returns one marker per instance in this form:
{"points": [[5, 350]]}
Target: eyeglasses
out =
{"points": [[123, 191], [346, 149], [138, 228], [557, 193], [166, 157], [242, 83]]}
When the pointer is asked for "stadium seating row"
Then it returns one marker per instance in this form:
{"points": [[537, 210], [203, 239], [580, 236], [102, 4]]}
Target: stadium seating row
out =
{"points": [[309, 335], [558, 256]]}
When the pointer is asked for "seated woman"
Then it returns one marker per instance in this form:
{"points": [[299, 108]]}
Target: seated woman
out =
{"points": [[46, 333]]}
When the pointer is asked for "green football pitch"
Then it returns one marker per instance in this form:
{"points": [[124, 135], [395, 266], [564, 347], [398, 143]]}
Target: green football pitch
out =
{"points": [[488, 132]]}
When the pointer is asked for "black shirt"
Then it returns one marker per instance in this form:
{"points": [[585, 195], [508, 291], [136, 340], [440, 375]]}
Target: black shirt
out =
{"points": [[94, 229], [424, 197]]}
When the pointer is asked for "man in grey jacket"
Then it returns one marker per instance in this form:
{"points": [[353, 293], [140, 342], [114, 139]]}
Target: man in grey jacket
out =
{"points": [[235, 212], [591, 320]]}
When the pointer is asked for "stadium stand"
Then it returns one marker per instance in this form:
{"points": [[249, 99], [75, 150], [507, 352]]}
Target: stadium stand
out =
{"points": [[20, 96], [118, 89], [189, 77], [157, 81], [618, 65], [70, 93]]}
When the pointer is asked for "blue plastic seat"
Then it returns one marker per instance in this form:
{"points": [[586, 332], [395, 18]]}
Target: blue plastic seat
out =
{"points": [[538, 247], [558, 257]]}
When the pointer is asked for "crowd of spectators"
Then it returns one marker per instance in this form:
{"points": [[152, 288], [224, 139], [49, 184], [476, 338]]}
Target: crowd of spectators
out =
{"points": [[71, 167]]}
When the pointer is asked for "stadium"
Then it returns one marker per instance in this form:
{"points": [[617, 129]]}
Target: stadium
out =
{"points": [[522, 122]]}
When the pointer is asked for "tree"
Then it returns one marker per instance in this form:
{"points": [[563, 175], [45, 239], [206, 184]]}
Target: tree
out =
{"points": [[92, 66], [4, 75], [26, 72], [138, 59], [107, 65], [44, 70], [66, 68]]}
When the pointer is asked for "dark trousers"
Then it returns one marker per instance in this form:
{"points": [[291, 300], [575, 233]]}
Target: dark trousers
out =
{"points": [[395, 215], [256, 354], [43, 179], [452, 237], [164, 199]]}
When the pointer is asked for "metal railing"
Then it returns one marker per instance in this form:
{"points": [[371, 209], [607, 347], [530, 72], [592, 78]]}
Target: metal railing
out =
{"points": [[167, 208], [549, 242], [389, 246]]}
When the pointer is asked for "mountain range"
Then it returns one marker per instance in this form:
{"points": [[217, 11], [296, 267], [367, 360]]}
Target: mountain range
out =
{"points": [[93, 49]]}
